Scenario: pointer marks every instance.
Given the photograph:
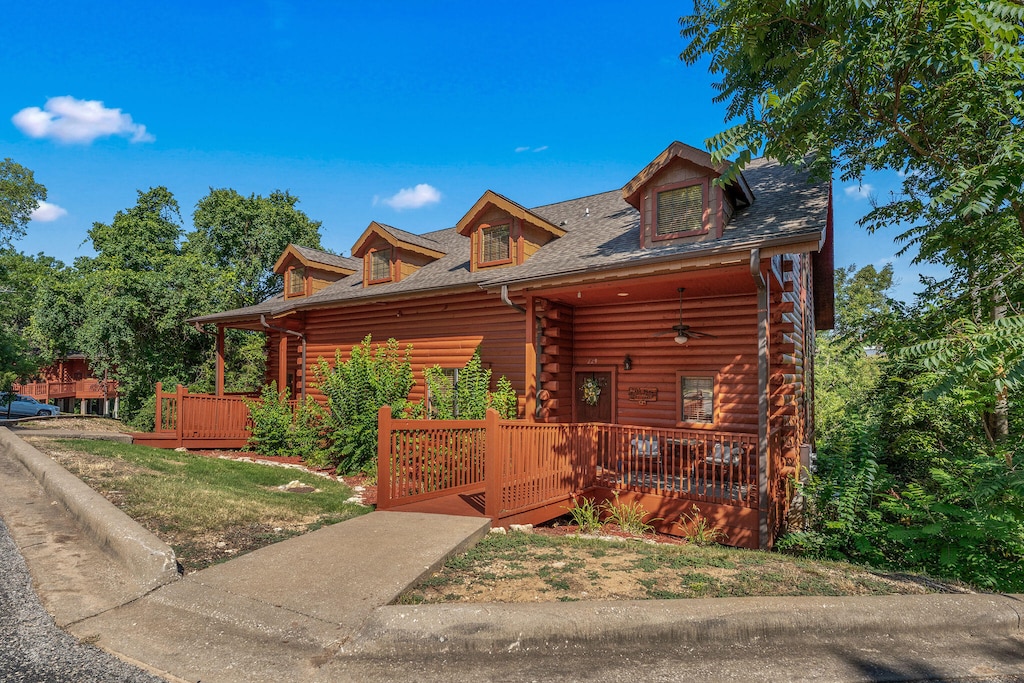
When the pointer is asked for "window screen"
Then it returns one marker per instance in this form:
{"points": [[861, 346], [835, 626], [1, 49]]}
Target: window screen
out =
{"points": [[495, 243], [698, 399], [296, 281], [680, 210], [380, 264]]}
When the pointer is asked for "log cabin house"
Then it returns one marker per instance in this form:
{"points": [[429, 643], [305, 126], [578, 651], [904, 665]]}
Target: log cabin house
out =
{"points": [[660, 336], [70, 383]]}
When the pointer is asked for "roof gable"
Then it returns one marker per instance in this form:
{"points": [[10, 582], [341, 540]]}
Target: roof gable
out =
{"points": [[396, 238], [314, 258], [491, 199], [677, 151]]}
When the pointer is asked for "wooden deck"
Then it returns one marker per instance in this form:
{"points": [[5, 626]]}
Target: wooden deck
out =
{"points": [[470, 504]]}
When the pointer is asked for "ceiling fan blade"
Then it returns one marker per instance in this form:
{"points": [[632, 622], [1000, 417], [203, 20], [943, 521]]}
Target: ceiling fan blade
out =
{"points": [[697, 334]]}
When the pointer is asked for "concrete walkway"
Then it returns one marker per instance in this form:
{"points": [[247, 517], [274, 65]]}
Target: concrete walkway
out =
{"points": [[317, 608]]}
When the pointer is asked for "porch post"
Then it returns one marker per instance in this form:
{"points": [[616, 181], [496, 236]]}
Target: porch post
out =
{"points": [[384, 458], [282, 363], [492, 466], [763, 424], [530, 407], [220, 360], [160, 402]]}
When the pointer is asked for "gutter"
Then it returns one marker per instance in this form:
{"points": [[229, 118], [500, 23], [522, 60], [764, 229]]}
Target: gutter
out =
{"points": [[508, 302], [300, 335], [762, 395]]}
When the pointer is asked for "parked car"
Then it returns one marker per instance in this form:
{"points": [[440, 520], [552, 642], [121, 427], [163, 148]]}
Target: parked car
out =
{"points": [[25, 406]]}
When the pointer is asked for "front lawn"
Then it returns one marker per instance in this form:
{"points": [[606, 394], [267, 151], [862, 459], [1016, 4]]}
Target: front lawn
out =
{"points": [[207, 509], [521, 567]]}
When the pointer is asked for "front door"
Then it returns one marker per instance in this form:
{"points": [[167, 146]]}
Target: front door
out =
{"points": [[592, 396]]}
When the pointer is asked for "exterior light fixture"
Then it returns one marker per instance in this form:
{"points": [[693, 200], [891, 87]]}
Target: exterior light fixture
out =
{"points": [[627, 363], [681, 339]]}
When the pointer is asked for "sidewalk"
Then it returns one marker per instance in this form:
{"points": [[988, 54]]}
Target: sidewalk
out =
{"points": [[316, 607]]}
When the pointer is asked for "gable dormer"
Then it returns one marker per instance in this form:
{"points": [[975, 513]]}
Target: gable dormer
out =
{"points": [[306, 271], [502, 233], [678, 199], [389, 254]]}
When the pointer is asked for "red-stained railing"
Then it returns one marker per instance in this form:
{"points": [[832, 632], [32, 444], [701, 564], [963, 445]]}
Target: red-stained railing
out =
{"points": [[522, 466], [83, 388]]}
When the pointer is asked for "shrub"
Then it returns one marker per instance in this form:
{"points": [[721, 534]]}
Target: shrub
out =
{"points": [[271, 422], [698, 530], [469, 396], [629, 516], [586, 514], [356, 390]]}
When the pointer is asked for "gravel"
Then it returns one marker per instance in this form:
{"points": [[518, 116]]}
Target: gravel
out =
{"points": [[33, 649]]}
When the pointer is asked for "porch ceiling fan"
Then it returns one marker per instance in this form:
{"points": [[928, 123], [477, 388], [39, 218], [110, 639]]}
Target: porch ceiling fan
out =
{"points": [[683, 332]]}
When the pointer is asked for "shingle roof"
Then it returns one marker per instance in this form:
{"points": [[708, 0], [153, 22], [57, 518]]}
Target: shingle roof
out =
{"points": [[317, 256], [418, 240], [602, 232]]}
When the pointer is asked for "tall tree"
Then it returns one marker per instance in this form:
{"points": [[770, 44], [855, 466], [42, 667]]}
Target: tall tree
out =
{"points": [[248, 234], [127, 306], [931, 88], [20, 195]]}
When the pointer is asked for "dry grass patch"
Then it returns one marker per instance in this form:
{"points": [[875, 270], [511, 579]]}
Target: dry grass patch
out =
{"points": [[207, 509], [522, 567], [80, 424]]}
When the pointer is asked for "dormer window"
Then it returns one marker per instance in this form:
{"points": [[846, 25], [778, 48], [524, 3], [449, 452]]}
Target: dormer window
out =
{"points": [[296, 281], [680, 209], [380, 265], [495, 244]]}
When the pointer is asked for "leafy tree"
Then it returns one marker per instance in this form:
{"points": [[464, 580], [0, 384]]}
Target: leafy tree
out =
{"points": [[248, 234], [125, 308], [20, 195], [470, 396]]}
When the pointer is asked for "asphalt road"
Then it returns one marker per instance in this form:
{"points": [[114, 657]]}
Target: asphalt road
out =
{"points": [[33, 649]]}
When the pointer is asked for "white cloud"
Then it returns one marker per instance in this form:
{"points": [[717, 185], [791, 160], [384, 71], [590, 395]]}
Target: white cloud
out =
{"points": [[47, 212], [413, 197], [522, 149], [78, 121], [528, 149], [862, 191], [541, 148]]}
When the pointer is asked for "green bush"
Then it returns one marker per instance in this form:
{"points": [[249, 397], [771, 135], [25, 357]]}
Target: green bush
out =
{"points": [[469, 397], [356, 390], [271, 422]]}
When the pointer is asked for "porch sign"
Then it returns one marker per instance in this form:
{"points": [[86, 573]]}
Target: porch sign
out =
{"points": [[643, 394]]}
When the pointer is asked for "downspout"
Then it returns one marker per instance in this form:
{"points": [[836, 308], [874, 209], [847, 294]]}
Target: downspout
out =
{"points": [[300, 335], [762, 395], [508, 302]]}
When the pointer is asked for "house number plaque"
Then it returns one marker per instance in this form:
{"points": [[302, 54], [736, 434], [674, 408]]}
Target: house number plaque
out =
{"points": [[643, 394]]}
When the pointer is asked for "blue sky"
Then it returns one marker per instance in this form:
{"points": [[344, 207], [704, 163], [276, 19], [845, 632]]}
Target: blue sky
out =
{"points": [[397, 112]]}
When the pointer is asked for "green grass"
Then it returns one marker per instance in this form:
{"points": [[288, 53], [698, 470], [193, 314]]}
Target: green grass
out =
{"points": [[198, 501]]}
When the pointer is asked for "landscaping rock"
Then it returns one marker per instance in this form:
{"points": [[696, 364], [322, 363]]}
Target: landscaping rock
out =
{"points": [[521, 528], [500, 530]]}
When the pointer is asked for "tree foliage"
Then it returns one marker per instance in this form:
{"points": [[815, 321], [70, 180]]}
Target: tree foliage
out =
{"points": [[247, 234], [20, 195], [469, 397], [356, 389]]}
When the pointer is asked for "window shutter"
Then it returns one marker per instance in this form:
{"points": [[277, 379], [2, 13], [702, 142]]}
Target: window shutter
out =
{"points": [[680, 210], [495, 243]]}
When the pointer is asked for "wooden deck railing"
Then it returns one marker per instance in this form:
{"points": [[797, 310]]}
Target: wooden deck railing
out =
{"points": [[523, 466], [83, 388]]}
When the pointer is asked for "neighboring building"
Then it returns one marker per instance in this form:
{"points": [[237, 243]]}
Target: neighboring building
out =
{"points": [[69, 383], [673, 306]]}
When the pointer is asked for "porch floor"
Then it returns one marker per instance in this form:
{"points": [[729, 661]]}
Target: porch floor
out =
{"points": [[469, 504]]}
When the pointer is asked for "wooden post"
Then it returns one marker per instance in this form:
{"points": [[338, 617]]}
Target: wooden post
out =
{"points": [[384, 458], [492, 466], [160, 403], [220, 360], [179, 395], [282, 363]]}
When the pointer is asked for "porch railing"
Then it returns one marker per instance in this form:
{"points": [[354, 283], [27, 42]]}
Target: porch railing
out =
{"points": [[83, 388], [522, 466]]}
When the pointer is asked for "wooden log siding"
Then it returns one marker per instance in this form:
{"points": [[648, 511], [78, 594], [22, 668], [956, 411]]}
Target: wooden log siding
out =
{"points": [[604, 334], [443, 330]]}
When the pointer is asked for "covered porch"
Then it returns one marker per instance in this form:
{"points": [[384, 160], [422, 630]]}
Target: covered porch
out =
{"points": [[516, 472]]}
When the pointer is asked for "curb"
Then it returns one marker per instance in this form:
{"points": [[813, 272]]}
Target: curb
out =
{"points": [[151, 559], [424, 630]]}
